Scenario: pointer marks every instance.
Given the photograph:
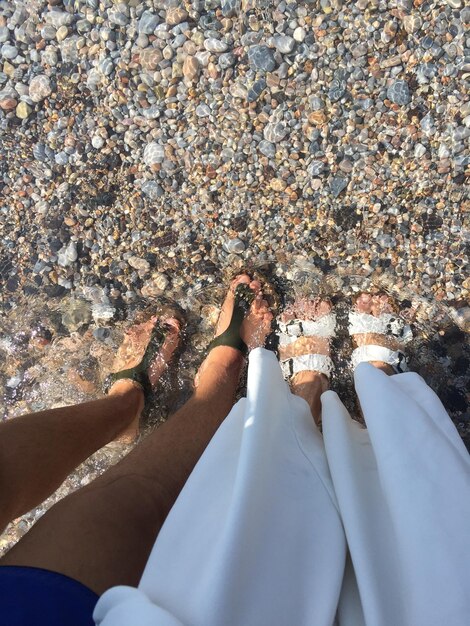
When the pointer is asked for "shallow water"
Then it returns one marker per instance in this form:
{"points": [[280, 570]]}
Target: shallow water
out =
{"points": [[54, 354]]}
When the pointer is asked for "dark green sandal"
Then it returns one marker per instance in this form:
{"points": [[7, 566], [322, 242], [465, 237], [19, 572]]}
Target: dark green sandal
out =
{"points": [[138, 374], [243, 298]]}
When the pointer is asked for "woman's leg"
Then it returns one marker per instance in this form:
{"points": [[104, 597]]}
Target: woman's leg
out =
{"points": [[102, 534], [375, 305], [39, 450], [308, 384]]}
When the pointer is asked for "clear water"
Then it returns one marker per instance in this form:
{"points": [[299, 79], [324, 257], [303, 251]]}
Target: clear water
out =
{"points": [[45, 365]]}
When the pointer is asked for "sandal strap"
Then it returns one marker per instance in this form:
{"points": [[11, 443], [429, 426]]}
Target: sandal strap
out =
{"points": [[324, 326], [138, 373], [141, 378], [244, 296], [372, 352], [307, 362], [385, 324]]}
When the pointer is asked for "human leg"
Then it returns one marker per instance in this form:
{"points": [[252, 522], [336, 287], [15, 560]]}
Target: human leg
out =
{"points": [[39, 450], [102, 534], [308, 384], [376, 306]]}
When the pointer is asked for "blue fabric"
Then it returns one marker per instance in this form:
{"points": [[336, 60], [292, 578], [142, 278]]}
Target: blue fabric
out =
{"points": [[32, 596]]}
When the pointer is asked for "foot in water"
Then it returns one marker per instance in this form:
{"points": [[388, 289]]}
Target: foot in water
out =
{"points": [[376, 306], [130, 354], [254, 329], [309, 385]]}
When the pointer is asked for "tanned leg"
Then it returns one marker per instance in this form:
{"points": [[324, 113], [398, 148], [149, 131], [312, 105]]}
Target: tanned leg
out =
{"points": [[102, 534]]}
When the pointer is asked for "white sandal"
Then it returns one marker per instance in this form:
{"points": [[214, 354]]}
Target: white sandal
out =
{"points": [[324, 326], [386, 324]]}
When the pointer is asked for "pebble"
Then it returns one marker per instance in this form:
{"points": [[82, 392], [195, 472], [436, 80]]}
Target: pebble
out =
{"points": [[102, 312], [97, 142], [261, 58], [152, 190], [412, 23], [151, 58], [176, 15], [8, 104], [8, 52], [39, 88], [139, 264], [420, 150], [234, 246], [299, 34], [275, 132], [284, 44], [67, 255], [76, 315], [338, 86], [315, 168], [202, 110], [256, 90], [337, 185], [215, 45], [230, 8], [267, 148], [154, 153], [148, 23], [399, 92], [23, 110], [190, 68], [61, 33]]}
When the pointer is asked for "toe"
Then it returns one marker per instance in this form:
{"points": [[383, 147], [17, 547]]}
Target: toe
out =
{"points": [[324, 307], [238, 280], [363, 303], [261, 304]]}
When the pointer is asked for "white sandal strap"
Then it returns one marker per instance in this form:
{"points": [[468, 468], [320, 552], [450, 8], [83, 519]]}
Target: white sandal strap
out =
{"points": [[385, 324], [307, 362], [324, 326], [372, 352]]}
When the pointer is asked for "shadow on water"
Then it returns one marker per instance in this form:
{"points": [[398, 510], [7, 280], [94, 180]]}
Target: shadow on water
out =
{"points": [[57, 352]]}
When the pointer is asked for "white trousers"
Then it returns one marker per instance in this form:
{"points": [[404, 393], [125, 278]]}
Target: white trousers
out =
{"points": [[280, 526]]}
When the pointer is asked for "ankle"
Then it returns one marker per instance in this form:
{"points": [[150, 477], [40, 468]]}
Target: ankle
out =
{"points": [[310, 385], [385, 367], [130, 397], [222, 366], [310, 378]]}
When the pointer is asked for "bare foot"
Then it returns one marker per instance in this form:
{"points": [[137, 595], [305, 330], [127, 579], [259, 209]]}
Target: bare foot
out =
{"points": [[255, 327], [375, 305], [309, 385]]}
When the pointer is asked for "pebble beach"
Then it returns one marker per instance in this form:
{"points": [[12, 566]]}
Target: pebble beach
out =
{"points": [[147, 148]]}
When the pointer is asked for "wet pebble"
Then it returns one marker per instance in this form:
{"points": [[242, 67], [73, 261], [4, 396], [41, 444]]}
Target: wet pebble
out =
{"points": [[399, 92], [337, 185], [261, 58], [23, 110], [234, 246], [215, 45], [67, 255], [139, 264], [154, 153], [39, 88]]}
